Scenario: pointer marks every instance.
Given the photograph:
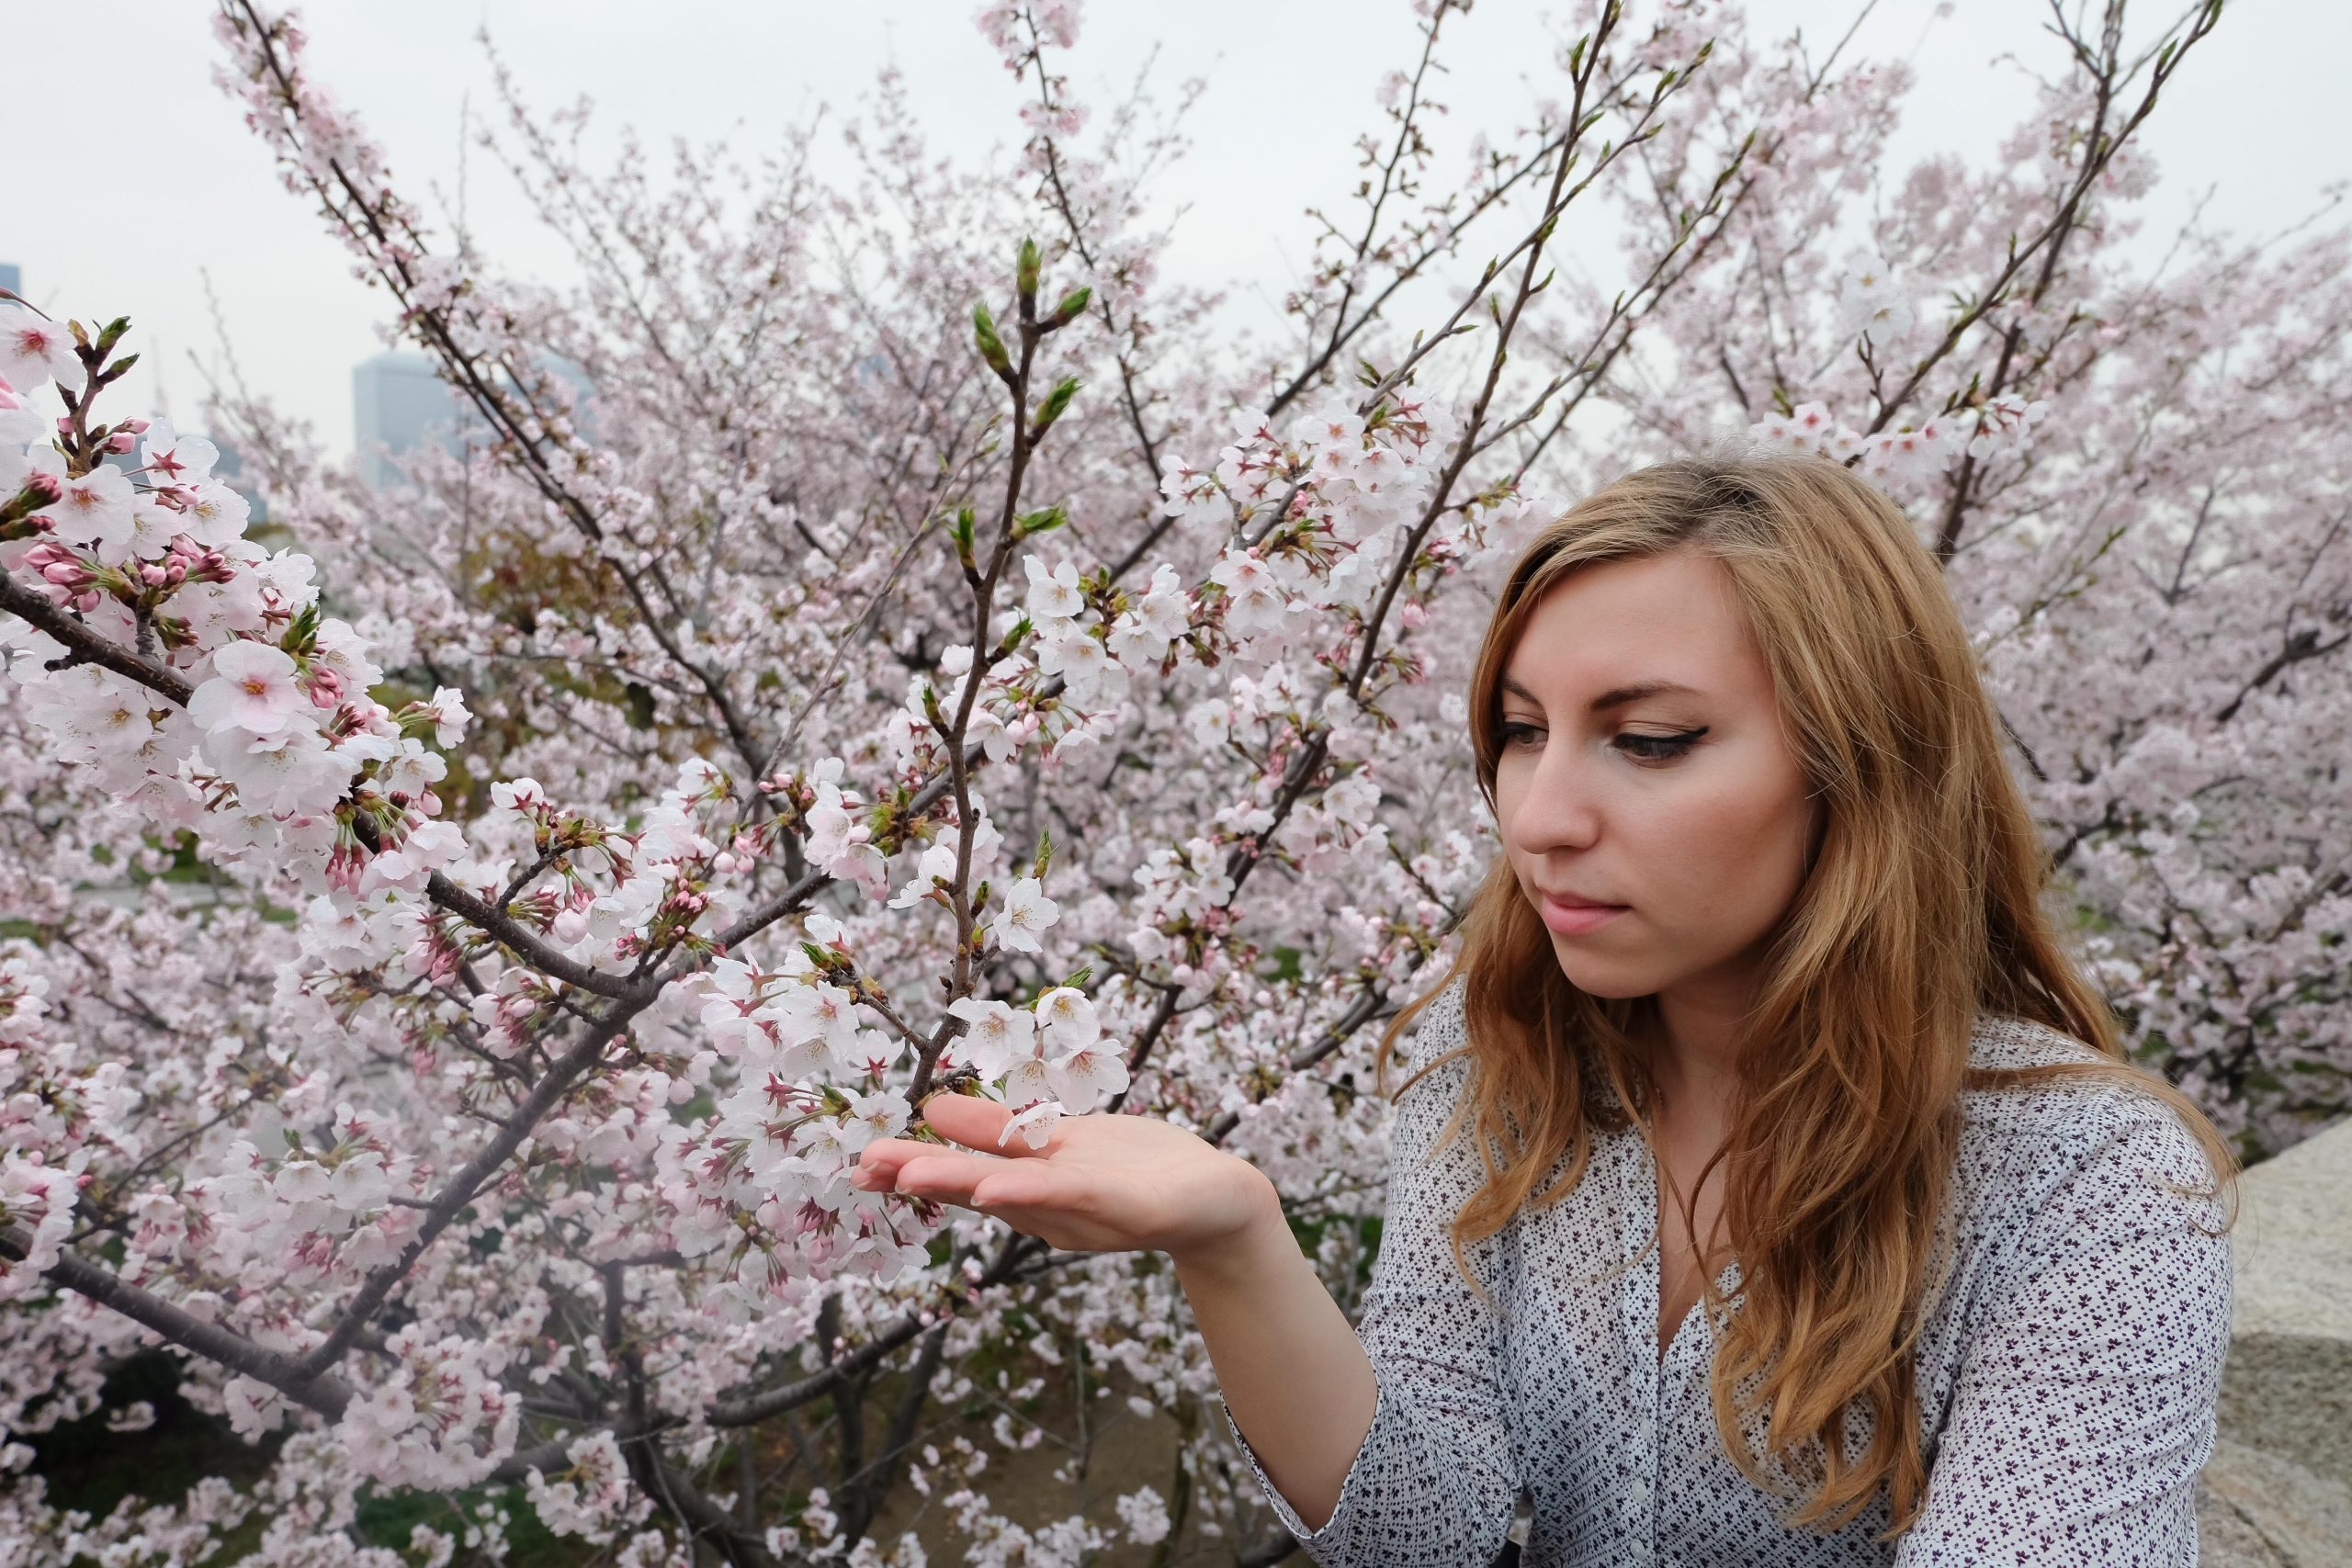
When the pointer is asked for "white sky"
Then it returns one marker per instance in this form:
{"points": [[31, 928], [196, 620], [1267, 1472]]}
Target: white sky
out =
{"points": [[120, 210]]}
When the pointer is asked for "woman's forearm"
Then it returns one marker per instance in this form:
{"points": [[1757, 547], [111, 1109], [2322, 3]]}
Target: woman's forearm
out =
{"points": [[1294, 1374]]}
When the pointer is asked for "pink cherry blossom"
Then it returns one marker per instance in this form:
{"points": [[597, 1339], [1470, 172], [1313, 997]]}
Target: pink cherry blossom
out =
{"points": [[253, 688], [34, 349]]}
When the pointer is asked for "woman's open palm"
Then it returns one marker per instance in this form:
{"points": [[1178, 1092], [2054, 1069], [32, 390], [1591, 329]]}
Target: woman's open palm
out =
{"points": [[1102, 1183]]}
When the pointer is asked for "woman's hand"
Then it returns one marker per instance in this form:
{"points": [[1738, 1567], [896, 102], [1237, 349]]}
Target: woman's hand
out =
{"points": [[1098, 1183]]}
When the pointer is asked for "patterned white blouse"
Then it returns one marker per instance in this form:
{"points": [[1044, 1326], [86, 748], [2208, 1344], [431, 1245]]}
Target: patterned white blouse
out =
{"points": [[2067, 1376]]}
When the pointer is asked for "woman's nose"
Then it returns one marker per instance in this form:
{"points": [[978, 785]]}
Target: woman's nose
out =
{"points": [[1556, 809]]}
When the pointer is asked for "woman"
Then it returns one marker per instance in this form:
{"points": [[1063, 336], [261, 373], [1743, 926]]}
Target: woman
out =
{"points": [[1770, 1188]]}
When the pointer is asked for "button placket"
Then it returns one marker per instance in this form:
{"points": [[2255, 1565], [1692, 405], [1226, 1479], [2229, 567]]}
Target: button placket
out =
{"points": [[1640, 1303]]}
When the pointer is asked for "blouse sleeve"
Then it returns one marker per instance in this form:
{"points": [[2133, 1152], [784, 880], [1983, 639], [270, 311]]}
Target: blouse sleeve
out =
{"points": [[1436, 1479], [2085, 1400]]}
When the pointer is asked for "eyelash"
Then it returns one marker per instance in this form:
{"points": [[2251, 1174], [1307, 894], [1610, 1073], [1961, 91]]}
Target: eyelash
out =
{"points": [[1669, 748]]}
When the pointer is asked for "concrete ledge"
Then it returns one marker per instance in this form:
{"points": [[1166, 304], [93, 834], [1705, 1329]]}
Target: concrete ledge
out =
{"points": [[2278, 1491], [2257, 1510]]}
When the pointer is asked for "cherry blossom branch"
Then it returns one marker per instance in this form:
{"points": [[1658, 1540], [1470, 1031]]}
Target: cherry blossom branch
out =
{"points": [[1578, 122], [370, 222], [1314, 749], [1447, 233], [2098, 151], [461, 1187], [1367, 1006], [525, 944], [1130, 398], [870, 1483], [87, 645], [1013, 1253], [92, 646], [1407, 140], [309, 1387]]}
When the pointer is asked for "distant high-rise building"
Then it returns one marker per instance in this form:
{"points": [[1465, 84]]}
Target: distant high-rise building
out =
{"points": [[10, 278], [396, 405]]}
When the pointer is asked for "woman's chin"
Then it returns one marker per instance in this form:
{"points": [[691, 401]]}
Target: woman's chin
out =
{"points": [[1612, 981]]}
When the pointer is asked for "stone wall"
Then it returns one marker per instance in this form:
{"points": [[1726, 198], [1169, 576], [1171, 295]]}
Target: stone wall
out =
{"points": [[2278, 1492]]}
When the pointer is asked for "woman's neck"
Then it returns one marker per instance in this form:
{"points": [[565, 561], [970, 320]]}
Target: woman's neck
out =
{"points": [[1695, 1055]]}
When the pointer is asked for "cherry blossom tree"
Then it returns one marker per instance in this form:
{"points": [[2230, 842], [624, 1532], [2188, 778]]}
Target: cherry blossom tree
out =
{"points": [[456, 948]]}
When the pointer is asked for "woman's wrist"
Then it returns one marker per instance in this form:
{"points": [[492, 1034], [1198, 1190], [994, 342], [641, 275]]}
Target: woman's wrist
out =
{"points": [[1263, 1241]]}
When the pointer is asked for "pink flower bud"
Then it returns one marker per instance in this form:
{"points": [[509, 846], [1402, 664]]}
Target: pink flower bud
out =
{"points": [[136, 427], [120, 441]]}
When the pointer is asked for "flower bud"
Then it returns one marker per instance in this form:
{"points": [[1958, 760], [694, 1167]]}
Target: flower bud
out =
{"points": [[1055, 402], [1024, 276], [991, 347]]}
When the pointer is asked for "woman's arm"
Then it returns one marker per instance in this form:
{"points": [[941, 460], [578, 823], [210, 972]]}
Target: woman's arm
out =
{"points": [[1292, 1371], [1395, 1440], [2085, 1403], [1434, 1482], [1287, 1361]]}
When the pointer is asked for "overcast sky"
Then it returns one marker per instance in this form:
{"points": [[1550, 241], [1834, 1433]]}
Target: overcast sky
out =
{"points": [[122, 208]]}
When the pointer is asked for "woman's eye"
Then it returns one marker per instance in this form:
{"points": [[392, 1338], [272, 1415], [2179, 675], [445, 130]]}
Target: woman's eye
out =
{"points": [[1658, 747], [1512, 734]]}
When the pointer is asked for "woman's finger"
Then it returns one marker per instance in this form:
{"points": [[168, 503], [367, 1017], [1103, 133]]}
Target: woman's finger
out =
{"points": [[887, 1154], [978, 1123], [1032, 1185], [947, 1177]]}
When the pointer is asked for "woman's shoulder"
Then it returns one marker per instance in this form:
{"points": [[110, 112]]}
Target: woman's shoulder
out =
{"points": [[1431, 1069], [2088, 1104], [2021, 1143], [1437, 1030]]}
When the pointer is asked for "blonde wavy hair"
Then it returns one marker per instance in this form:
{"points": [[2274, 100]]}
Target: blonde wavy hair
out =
{"points": [[1919, 911]]}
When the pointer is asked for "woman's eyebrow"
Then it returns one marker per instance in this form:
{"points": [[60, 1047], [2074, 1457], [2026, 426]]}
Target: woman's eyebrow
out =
{"points": [[1616, 696]]}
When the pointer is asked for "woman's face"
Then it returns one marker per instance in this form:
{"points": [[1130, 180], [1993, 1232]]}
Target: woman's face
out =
{"points": [[1643, 766]]}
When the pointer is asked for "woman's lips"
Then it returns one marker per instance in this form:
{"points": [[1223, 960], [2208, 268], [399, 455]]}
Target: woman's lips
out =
{"points": [[1575, 920]]}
